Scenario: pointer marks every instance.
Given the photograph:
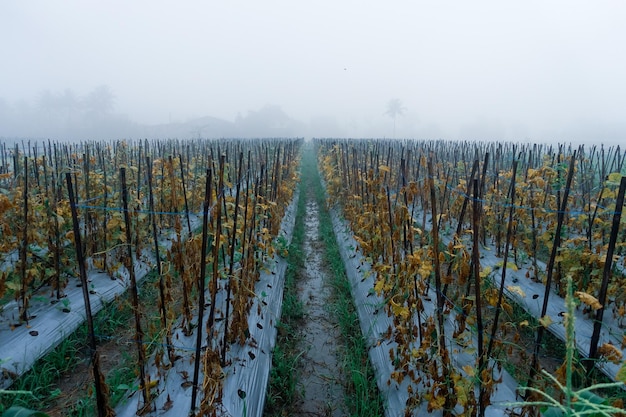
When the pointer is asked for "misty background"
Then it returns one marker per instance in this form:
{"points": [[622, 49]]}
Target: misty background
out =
{"points": [[491, 70]]}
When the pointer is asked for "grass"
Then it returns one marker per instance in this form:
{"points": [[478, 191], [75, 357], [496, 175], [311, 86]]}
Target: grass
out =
{"points": [[552, 348], [282, 388], [569, 401], [362, 395], [41, 381]]}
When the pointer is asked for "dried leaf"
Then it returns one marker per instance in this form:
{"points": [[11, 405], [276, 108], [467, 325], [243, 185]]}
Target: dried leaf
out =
{"points": [[610, 352], [588, 299], [399, 309], [436, 402], [168, 404]]}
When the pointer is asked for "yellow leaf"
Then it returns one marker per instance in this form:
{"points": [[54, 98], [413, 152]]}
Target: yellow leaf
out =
{"points": [[485, 272], [523, 323], [152, 383], [588, 299], [516, 289], [113, 223], [437, 402], [379, 286], [491, 296], [399, 310], [614, 178], [509, 265], [384, 168], [545, 321], [469, 370], [463, 389]]}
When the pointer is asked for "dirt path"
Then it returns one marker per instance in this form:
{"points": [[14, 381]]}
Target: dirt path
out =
{"points": [[320, 379]]}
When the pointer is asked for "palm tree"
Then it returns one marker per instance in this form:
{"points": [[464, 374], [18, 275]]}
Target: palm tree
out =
{"points": [[395, 109]]}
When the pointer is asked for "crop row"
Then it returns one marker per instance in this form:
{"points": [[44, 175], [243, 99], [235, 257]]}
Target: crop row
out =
{"points": [[441, 224], [69, 211]]}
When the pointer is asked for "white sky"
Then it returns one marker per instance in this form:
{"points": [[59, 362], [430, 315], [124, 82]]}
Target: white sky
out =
{"points": [[516, 70]]}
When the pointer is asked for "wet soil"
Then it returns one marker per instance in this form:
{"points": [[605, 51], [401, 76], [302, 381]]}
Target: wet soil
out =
{"points": [[320, 378], [74, 385]]}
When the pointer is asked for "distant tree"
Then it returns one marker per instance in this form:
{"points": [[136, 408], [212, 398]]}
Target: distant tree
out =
{"points": [[395, 109], [100, 102], [69, 103], [47, 102]]}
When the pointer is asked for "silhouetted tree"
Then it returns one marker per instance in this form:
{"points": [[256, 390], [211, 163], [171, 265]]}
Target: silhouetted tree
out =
{"points": [[395, 109], [99, 102]]}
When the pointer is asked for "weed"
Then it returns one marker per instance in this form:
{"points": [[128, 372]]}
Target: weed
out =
{"points": [[569, 402], [362, 395], [282, 388], [40, 381]]}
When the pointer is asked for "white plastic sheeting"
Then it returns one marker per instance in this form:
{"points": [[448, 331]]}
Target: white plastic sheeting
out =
{"points": [[374, 324], [529, 295], [246, 373], [531, 299], [51, 323]]}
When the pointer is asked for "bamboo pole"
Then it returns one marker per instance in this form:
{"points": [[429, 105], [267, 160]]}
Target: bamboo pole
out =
{"points": [[201, 287], [101, 388], [443, 352], [141, 353], [555, 247], [606, 276]]}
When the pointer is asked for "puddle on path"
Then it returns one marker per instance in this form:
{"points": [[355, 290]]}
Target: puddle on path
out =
{"points": [[320, 378]]}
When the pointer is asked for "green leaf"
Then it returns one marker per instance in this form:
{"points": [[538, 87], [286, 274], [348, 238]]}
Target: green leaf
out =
{"points": [[13, 285], [621, 374], [551, 412], [22, 412]]}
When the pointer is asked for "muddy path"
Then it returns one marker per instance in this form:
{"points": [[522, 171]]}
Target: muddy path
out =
{"points": [[319, 375]]}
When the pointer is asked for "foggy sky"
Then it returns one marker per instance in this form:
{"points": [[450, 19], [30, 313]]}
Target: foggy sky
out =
{"points": [[531, 70]]}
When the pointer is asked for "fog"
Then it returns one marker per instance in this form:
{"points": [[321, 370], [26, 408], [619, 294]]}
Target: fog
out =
{"points": [[492, 70]]}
